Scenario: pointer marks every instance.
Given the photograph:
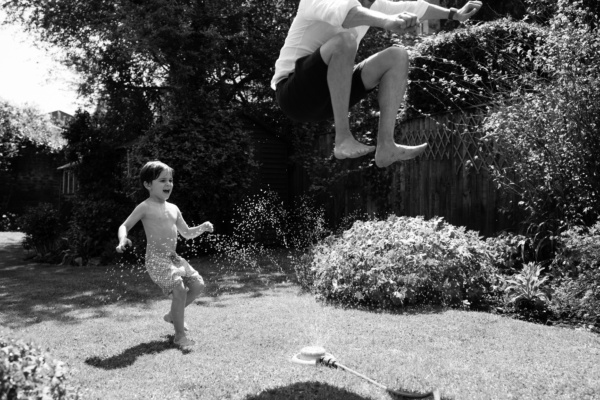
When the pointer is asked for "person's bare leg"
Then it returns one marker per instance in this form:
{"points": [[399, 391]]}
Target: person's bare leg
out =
{"points": [[389, 70], [195, 288], [177, 313], [339, 54]]}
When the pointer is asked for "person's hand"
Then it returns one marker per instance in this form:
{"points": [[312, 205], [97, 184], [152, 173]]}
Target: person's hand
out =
{"points": [[401, 22], [467, 10], [207, 227], [123, 245]]}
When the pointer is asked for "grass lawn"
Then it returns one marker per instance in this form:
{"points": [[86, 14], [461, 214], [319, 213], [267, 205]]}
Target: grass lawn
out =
{"points": [[108, 328]]}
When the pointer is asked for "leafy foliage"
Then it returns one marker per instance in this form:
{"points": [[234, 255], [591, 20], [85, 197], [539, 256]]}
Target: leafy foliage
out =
{"points": [[93, 226], [213, 159], [576, 272], [21, 126], [513, 252], [28, 372], [527, 286], [175, 80], [403, 261], [42, 228], [548, 134], [471, 66]]}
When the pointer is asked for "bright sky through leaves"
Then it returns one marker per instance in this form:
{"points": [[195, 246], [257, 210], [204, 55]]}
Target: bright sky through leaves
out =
{"points": [[31, 75]]}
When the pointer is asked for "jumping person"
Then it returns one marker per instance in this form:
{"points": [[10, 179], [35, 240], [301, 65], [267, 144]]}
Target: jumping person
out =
{"points": [[162, 220], [316, 79]]}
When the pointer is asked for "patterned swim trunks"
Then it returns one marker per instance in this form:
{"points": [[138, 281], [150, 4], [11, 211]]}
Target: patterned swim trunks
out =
{"points": [[167, 270]]}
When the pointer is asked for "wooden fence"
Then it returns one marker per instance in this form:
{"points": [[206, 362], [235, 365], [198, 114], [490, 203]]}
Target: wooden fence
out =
{"points": [[451, 179]]}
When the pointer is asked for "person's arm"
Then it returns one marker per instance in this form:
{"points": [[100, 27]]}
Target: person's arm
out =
{"points": [[462, 14], [405, 18], [190, 233], [362, 16], [126, 226]]}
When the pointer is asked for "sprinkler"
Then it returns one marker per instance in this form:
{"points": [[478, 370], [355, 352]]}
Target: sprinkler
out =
{"points": [[316, 355]]}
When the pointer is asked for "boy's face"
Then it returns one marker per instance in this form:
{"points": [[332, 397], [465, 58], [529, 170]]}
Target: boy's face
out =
{"points": [[162, 187]]}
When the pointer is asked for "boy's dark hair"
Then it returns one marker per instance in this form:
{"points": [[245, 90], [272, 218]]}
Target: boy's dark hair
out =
{"points": [[152, 170]]}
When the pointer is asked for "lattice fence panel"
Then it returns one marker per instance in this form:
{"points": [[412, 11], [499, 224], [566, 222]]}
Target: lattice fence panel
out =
{"points": [[457, 136]]}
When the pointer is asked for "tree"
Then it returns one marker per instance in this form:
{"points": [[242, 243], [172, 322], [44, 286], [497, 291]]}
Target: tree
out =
{"points": [[20, 126], [550, 134], [178, 73]]}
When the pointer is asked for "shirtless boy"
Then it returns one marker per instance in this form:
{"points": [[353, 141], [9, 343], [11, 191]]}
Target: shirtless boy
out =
{"points": [[162, 220]]}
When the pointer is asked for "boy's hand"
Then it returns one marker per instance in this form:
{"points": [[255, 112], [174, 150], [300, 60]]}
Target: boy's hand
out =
{"points": [[123, 245], [207, 227]]}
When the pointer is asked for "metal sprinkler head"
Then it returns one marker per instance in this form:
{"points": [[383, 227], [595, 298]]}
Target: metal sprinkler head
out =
{"points": [[316, 355], [310, 355]]}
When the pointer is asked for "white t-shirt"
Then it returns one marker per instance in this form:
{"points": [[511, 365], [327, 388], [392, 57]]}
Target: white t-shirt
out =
{"points": [[317, 21]]}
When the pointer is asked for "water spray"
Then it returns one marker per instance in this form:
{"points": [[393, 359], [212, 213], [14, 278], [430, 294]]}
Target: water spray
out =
{"points": [[315, 355]]}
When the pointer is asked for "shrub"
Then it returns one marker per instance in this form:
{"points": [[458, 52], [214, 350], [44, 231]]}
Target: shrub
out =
{"points": [[576, 272], [403, 261], [468, 67], [546, 131], [93, 228], [513, 252], [27, 372], [526, 288], [214, 160], [42, 228]]}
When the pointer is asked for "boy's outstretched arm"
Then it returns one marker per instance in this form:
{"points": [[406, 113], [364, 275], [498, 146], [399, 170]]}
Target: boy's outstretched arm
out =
{"points": [[133, 218], [190, 233]]}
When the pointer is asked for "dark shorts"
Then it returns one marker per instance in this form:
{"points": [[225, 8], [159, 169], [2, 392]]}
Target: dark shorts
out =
{"points": [[304, 94]]}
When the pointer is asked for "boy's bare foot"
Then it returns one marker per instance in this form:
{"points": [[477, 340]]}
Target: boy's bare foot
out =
{"points": [[183, 341], [351, 148], [388, 155], [168, 319]]}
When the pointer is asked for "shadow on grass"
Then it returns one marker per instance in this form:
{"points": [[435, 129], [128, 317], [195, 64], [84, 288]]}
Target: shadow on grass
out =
{"points": [[34, 292], [307, 391], [128, 356], [310, 391]]}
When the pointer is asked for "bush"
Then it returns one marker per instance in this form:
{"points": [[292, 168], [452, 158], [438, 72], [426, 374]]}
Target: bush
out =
{"points": [[403, 261], [468, 67], [513, 252], [27, 372], [214, 161], [42, 228], [527, 288], [546, 131], [93, 228], [576, 272]]}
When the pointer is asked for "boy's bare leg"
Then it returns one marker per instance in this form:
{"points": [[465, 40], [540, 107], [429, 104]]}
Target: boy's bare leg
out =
{"points": [[177, 314], [195, 288], [339, 54], [389, 70]]}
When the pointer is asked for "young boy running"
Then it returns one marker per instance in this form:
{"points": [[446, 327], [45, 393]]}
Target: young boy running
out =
{"points": [[162, 220]]}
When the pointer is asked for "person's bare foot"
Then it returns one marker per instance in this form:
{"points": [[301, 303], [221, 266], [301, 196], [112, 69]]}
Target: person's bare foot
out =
{"points": [[385, 156], [168, 319], [351, 148], [183, 341]]}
